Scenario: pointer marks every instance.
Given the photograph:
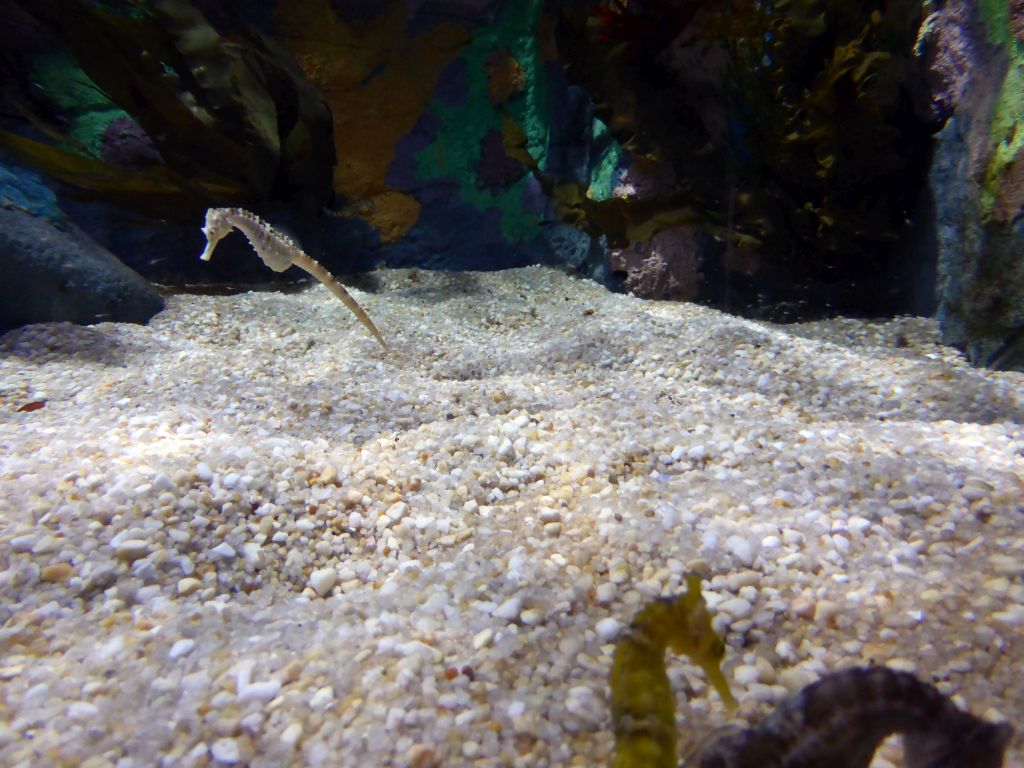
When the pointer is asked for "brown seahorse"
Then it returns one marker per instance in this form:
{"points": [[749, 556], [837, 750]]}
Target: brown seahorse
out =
{"points": [[839, 721]]}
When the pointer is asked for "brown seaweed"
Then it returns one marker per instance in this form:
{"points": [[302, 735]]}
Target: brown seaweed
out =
{"points": [[229, 112]]}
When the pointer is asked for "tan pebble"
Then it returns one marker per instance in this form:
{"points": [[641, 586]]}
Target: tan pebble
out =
{"points": [[795, 679], [744, 579], [563, 493], [292, 734], [1005, 565], [825, 610], [6, 673], [188, 585], [131, 550], [618, 573], [902, 665], [422, 756], [291, 672], [531, 617], [483, 638], [329, 476], [56, 572], [802, 607]]}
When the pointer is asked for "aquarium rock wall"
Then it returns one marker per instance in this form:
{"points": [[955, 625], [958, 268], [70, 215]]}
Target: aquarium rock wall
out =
{"points": [[976, 179], [785, 161]]}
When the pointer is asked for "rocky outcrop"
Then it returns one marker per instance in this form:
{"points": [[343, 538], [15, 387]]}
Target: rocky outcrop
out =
{"points": [[55, 272], [976, 180]]}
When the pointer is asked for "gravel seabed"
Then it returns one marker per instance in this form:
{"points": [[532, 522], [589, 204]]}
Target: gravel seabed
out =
{"points": [[247, 535]]}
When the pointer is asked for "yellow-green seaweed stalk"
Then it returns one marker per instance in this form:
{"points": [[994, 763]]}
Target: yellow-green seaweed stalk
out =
{"points": [[643, 710]]}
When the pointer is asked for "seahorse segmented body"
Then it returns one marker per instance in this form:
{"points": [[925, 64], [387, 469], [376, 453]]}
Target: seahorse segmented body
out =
{"points": [[278, 252], [839, 721], [643, 709]]}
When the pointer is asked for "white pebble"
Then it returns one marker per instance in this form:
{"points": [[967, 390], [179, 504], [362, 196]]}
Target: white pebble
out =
{"points": [[323, 580], [736, 607], [262, 691], [322, 698], [746, 674], [226, 751], [23, 543], [397, 511], [163, 483], [82, 710], [669, 516], [506, 452], [549, 515], [181, 648], [252, 553], [606, 592], [584, 703], [608, 629], [509, 609], [742, 549], [1012, 616], [224, 551]]}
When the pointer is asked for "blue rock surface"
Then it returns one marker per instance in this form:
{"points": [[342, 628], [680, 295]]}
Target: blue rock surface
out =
{"points": [[55, 272]]}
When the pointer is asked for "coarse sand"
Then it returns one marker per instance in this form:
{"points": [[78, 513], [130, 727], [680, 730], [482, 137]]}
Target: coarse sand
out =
{"points": [[245, 534]]}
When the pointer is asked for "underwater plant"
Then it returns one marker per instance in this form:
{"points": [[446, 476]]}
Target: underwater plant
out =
{"points": [[801, 126], [228, 112], [278, 252], [643, 710]]}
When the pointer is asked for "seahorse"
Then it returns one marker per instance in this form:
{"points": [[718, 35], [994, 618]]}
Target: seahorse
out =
{"points": [[839, 721], [278, 252], [643, 710]]}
